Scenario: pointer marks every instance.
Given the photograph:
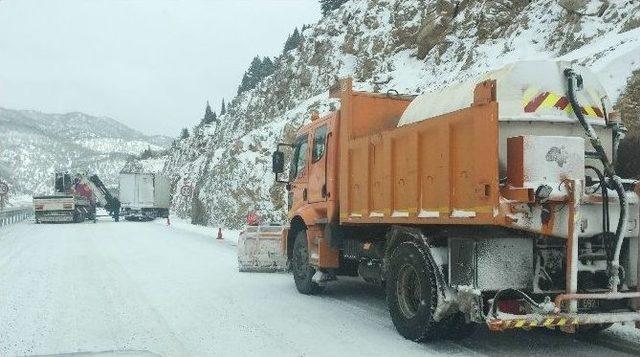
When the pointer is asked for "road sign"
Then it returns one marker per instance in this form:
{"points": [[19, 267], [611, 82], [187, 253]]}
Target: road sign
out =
{"points": [[186, 190], [4, 189]]}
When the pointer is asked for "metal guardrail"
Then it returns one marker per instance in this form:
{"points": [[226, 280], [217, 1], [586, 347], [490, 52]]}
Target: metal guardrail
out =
{"points": [[15, 215]]}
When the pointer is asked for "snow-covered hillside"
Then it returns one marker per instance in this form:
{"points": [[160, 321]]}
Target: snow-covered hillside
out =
{"points": [[33, 145], [412, 46]]}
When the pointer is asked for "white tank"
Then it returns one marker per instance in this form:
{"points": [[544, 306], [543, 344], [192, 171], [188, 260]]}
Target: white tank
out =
{"points": [[526, 91], [532, 100]]}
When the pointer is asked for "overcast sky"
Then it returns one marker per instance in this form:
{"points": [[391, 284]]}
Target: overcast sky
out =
{"points": [[150, 64]]}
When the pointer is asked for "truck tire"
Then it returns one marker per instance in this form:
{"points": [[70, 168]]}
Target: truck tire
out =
{"points": [[411, 292], [456, 327], [300, 267]]}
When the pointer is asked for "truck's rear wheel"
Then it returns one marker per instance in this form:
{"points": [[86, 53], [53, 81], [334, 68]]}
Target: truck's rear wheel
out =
{"points": [[455, 327], [302, 270], [411, 292]]}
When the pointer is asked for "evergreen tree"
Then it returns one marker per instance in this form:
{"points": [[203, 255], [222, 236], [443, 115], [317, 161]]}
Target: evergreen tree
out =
{"points": [[184, 134], [147, 153], [258, 70], [251, 76], [267, 68], [209, 116], [328, 5], [223, 109], [293, 41]]}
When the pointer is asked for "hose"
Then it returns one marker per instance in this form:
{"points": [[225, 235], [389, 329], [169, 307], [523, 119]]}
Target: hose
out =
{"points": [[614, 264], [498, 295], [606, 227]]}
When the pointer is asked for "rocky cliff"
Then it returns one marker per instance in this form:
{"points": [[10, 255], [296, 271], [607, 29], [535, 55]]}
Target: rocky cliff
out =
{"points": [[411, 46]]}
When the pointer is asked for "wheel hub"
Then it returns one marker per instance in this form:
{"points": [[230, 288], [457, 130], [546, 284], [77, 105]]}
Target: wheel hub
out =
{"points": [[408, 291]]}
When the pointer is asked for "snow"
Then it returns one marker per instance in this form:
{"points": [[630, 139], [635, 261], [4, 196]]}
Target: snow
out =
{"points": [[183, 225], [625, 332], [118, 145], [136, 288], [34, 145], [374, 43]]}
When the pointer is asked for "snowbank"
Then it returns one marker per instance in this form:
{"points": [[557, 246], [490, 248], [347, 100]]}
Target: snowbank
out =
{"points": [[228, 235]]}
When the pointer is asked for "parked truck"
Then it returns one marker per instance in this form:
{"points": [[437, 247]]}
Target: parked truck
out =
{"points": [[144, 196], [491, 202], [73, 201]]}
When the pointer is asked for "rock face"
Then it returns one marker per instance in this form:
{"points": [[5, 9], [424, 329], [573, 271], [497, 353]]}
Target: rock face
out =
{"points": [[628, 164], [411, 46]]}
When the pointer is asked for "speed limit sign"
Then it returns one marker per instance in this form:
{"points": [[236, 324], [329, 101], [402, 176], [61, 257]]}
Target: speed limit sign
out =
{"points": [[4, 189], [186, 190]]}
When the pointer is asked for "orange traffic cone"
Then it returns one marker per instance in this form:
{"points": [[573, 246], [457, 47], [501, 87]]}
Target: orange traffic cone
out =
{"points": [[219, 233]]}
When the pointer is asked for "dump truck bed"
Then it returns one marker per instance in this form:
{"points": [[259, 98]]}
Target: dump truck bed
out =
{"points": [[438, 171]]}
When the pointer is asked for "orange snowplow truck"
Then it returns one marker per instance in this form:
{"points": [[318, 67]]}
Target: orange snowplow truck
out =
{"points": [[494, 201]]}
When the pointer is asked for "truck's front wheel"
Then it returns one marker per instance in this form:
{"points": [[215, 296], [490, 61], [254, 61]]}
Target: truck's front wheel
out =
{"points": [[302, 270], [411, 292]]}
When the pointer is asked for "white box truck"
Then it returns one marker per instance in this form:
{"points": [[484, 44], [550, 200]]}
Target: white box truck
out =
{"points": [[144, 196]]}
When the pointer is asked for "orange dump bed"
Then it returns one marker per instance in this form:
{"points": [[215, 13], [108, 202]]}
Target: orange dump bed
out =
{"points": [[441, 170]]}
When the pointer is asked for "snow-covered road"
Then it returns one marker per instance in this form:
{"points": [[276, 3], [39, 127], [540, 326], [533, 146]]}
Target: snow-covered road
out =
{"points": [[149, 289]]}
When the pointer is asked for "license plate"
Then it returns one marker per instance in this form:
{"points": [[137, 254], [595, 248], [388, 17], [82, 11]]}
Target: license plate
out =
{"points": [[589, 304]]}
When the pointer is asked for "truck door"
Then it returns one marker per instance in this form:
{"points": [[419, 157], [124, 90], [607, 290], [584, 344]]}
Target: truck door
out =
{"points": [[145, 190], [299, 173], [318, 166]]}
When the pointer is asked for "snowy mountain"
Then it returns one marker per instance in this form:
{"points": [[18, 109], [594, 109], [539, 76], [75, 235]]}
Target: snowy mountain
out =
{"points": [[33, 145], [412, 46]]}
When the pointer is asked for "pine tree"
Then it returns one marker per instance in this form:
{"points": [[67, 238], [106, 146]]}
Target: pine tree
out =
{"points": [[251, 76], [328, 5], [209, 116], [147, 153], [184, 134], [293, 41], [267, 68], [258, 70], [223, 109]]}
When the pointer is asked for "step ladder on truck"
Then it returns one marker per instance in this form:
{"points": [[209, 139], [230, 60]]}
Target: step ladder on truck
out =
{"points": [[492, 202]]}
